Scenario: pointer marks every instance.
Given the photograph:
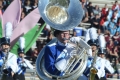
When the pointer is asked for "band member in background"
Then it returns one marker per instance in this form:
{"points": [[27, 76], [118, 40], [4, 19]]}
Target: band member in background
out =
{"points": [[22, 63], [8, 60], [94, 43], [54, 53], [108, 67]]}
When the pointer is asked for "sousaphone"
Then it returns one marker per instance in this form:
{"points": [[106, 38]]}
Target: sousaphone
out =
{"points": [[62, 15]]}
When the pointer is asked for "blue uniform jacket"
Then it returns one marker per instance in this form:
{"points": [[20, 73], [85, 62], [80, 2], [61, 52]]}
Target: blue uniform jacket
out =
{"points": [[2, 56], [21, 67], [52, 51]]}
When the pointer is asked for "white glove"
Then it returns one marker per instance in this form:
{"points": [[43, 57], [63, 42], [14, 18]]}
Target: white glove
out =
{"points": [[89, 52], [75, 39], [81, 41], [61, 65]]}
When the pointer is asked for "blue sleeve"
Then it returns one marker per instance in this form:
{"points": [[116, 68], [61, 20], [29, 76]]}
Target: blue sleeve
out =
{"points": [[1, 61], [87, 70], [23, 70], [50, 61], [18, 61]]}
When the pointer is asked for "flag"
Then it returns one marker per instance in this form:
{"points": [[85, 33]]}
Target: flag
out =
{"points": [[12, 14], [25, 25], [1, 20], [16, 46], [30, 38]]}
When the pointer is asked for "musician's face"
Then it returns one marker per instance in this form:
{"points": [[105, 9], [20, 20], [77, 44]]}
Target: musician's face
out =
{"points": [[102, 56], [21, 55], [5, 47], [63, 36], [93, 47]]}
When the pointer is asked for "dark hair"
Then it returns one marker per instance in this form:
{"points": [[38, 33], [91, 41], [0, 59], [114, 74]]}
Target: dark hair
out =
{"points": [[56, 32]]}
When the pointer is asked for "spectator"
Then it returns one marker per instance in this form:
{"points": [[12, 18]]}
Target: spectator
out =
{"points": [[85, 12], [115, 6], [34, 55], [95, 21], [98, 31], [34, 5], [39, 45], [107, 36], [110, 46], [96, 10], [112, 27], [118, 25], [49, 37], [90, 8], [27, 7], [114, 54], [116, 38], [22, 16], [91, 16], [104, 11], [115, 16], [109, 14]]}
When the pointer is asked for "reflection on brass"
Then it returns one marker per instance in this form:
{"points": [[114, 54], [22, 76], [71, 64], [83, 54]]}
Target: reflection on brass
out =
{"points": [[64, 3], [57, 14], [93, 70]]}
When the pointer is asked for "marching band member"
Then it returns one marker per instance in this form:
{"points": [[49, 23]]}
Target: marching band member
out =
{"points": [[101, 53], [93, 42], [55, 52], [22, 63], [8, 60], [108, 67]]}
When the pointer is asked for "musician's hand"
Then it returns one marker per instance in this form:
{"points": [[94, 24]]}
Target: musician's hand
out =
{"points": [[12, 73], [75, 39]]}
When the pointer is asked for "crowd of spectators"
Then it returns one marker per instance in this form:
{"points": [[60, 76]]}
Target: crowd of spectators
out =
{"points": [[107, 22]]}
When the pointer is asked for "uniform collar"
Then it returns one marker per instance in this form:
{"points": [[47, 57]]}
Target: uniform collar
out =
{"points": [[61, 44]]}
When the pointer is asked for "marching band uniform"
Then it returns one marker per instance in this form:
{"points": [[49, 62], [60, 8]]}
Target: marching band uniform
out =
{"points": [[52, 52], [99, 61], [11, 64], [55, 53], [21, 66], [108, 67], [22, 63], [94, 42], [8, 60]]}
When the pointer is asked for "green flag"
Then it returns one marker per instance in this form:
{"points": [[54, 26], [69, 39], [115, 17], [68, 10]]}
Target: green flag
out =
{"points": [[30, 38], [0, 28]]}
